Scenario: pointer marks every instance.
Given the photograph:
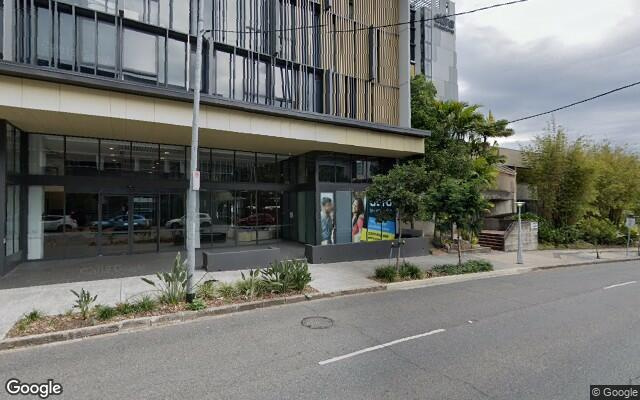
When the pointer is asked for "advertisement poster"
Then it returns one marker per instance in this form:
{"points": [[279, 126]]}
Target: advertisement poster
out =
{"points": [[327, 219], [374, 230]]}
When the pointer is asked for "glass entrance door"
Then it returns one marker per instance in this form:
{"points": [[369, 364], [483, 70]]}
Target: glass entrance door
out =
{"points": [[113, 225]]}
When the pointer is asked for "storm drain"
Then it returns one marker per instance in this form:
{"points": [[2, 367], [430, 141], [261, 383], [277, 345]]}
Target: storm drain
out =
{"points": [[317, 322]]}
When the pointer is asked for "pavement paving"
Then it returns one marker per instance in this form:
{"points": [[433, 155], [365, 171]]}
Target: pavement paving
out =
{"points": [[541, 335], [56, 298]]}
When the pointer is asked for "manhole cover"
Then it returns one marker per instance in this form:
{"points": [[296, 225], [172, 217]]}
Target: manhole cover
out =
{"points": [[317, 322]]}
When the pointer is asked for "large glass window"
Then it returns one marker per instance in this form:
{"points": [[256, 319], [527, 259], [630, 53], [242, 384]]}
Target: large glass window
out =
{"points": [[54, 222], [43, 41], [245, 167], [223, 73], [268, 216], [239, 90], [223, 231], [145, 158], [86, 44], [12, 227], [176, 62], [80, 224], [180, 15], [115, 157], [106, 48], [66, 42], [139, 61], [81, 156], [204, 160], [267, 168], [246, 217], [172, 219], [222, 166], [172, 161], [327, 168], [46, 155]]}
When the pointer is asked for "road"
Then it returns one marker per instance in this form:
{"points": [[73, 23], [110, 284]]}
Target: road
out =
{"points": [[542, 335]]}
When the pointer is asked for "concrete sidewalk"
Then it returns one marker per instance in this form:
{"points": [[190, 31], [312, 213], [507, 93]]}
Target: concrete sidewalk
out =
{"points": [[57, 298]]}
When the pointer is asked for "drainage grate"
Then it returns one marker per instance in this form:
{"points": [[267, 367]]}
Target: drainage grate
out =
{"points": [[317, 322]]}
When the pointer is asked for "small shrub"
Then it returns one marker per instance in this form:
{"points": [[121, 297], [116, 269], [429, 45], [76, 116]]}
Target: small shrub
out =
{"points": [[125, 308], [104, 313], [197, 304], [145, 304], [410, 271], [83, 302], [172, 285], [33, 316], [285, 276], [207, 290], [227, 291], [250, 285], [387, 273]]}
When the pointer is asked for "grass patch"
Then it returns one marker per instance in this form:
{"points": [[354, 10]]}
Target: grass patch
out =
{"points": [[29, 318], [468, 267]]}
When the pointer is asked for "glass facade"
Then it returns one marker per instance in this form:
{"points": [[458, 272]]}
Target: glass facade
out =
{"points": [[253, 54]]}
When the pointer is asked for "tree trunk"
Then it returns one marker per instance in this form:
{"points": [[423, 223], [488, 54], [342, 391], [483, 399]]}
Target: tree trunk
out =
{"points": [[597, 252], [459, 249], [398, 253]]}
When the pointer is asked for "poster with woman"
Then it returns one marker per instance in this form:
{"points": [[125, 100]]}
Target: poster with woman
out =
{"points": [[357, 217]]}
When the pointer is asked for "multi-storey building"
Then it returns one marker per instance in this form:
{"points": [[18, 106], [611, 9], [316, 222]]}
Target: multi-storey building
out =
{"points": [[433, 45], [302, 101]]}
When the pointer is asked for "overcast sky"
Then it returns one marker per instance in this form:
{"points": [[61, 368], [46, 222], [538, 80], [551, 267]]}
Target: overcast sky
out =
{"points": [[535, 56]]}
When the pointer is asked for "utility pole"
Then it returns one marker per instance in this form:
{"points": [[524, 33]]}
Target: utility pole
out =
{"points": [[193, 220], [520, 260]]}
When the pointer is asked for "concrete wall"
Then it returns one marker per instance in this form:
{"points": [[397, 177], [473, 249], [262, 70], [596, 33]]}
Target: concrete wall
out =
{"points": [[47, 107], [529, 237]]}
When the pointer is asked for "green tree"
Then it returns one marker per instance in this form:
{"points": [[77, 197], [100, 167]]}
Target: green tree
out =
{"points": [[617, 182], [460, 145], [561, 176], [459, 202], [598, 231], [403, 187]]}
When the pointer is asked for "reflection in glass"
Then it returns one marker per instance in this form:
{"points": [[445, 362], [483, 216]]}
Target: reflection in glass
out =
{"points": [[245, 167], [222, 166], [65, 41], [139, 59], [115, 157], [223, 73], [86, 44], [246, 218], [268, 216], [106, 48], [222, 230], [46, 155], [267, 168], [172, 161], [172, 218], [80, 234], [145, 224], [54, 222], [145, 158], [114, 225], [204, 159], [82, 156], [176, 62], [43, 40]]}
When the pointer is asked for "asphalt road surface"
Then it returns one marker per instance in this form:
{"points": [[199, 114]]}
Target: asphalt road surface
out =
{"points": [[542, 335]]}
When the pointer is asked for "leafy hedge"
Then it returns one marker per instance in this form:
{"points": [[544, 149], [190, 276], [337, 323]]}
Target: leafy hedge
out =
{"points": [[468, 267]]}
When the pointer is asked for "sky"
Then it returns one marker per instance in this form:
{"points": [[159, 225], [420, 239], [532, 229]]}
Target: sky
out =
{"points": [[535, 56]]}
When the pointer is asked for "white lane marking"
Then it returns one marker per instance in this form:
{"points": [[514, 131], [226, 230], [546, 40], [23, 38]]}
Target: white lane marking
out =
{"points": [[620, 284], [380, 346]]}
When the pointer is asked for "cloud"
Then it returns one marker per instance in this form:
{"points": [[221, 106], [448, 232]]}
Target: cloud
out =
{"points": [[515, 78]]}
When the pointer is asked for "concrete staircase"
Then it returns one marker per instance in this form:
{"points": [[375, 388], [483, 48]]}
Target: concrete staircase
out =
{"points": [[492, 239]]}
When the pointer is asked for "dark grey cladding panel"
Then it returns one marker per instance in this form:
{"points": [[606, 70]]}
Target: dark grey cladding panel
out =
{"points": [[414, 247]]}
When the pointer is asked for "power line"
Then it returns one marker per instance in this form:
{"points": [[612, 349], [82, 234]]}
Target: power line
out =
{"points": [[576, 103], [258, 31]]}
